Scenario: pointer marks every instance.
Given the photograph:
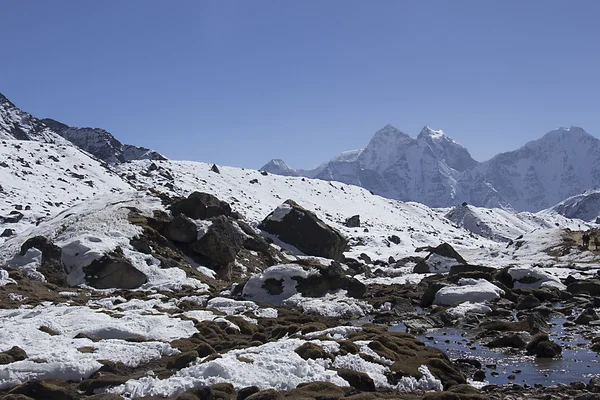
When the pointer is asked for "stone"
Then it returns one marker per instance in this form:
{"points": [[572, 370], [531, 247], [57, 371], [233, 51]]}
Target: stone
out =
{"points": [[529, 302], [199, 205], [114, 271], [181, 229], [7, 232], [221, 242], [311, 351], [52, 266], [548, 349], [353, 222], [304, 230], [591, 287], [443, 250], [516, 340], [358, 380], [330, 278], [588, 315]]}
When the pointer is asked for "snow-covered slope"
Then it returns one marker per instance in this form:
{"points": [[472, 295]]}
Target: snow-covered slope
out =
{"points": [[102, 144], [40, 179], [585, 206]]}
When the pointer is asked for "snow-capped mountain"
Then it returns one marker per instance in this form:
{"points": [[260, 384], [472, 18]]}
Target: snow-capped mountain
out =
{"points": [[398, 166], [563, 163], [435, 170], [16, 124], [102, 144]]}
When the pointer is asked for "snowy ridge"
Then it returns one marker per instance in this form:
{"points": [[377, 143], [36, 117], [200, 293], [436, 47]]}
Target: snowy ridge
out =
{"points": [[102, 144]]}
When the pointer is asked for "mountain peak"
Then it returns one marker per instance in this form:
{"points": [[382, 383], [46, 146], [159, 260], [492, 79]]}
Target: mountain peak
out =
{"points": [[428, 132], [279, 167], [4, 99]]}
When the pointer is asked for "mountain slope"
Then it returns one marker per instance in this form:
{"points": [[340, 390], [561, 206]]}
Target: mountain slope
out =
{"points": [[16, 124], [102, 144]]}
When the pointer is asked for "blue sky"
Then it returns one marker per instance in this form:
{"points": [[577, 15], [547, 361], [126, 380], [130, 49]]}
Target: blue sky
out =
{"points": [[241, 82]]}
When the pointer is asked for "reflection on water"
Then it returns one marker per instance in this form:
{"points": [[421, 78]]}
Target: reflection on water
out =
{"points": [[577, 363]]}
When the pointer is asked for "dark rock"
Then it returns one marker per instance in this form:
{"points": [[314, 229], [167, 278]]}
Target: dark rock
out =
{"points": [[304, 230], [311, 351], [46, 390], [221, 242], [52, 265], [330, 277], [246, 392], [515, 340], [269, 394], [7, 232], [394, 239], [588, 315], [199, 205], [358, 380], [181, 229], [353, 222], [114, 271], [591, 287], [537, 323], [548, 349], [528, 302], [537, 339], [214, 168], [479, 376], [594, 384], [182, 360], [11, 355], [462, 268]]}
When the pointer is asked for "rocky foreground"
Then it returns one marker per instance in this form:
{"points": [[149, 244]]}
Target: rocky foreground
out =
{"points": [[194, 302]]}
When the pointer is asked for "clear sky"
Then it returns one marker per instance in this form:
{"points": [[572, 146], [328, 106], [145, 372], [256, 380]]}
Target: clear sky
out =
{"points": [[241, 82]]}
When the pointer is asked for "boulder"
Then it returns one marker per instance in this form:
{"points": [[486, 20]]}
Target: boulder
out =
{"points": [[330, 277], [11, 355], [52, 265], [199, 205], [588, 315], [305, 231], [548, 349], [7, 232], [181, 229], [529, 302], [517, 340], [358, 380], [114, 271], [311, 351], [353, 221], [592, 287], [221, 242], [440, 259]]}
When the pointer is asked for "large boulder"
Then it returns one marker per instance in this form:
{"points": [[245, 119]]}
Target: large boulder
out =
{"points": [[440, 259], [591, 287], [181, 229], [305, 231], [200, 205], [52, 265], [221, 242], [330, 278], [114, 271]]}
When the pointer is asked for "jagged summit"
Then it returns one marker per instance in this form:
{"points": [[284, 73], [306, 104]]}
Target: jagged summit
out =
{"points": [[279, 167], [428, 132]]}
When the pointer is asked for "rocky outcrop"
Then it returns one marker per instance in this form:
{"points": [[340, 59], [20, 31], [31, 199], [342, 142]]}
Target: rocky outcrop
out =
{"points": [[114, 271], [440, 259], [52, 266], [304, 230], [199, 205]]}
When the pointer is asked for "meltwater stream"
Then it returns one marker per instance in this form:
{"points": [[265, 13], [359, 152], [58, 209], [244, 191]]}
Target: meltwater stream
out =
{"points": [[577, 364]]}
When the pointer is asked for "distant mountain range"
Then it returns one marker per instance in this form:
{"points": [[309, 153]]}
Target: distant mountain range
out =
{"points": [[20, 125], [435, 170]]}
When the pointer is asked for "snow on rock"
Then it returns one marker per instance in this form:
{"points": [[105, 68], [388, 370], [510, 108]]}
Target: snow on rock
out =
{"points": [[5, 279], [426, 382], [59, 353], [92, 229], [462, 309], [284, 274], [474, 290], [237, 307], [280, 212], [274, 365], [534, 277]]}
